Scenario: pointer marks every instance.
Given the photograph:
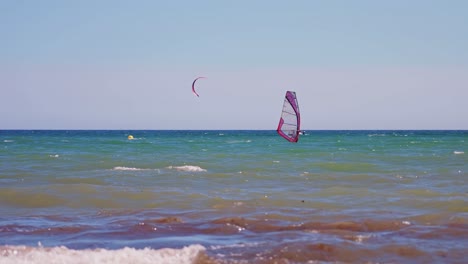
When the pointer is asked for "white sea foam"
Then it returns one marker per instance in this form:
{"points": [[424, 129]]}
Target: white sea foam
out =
{"points": [[8, 140], [458, 152], [54, 156], [376, 135], [127, 169], [26, 255], [187, 168]]}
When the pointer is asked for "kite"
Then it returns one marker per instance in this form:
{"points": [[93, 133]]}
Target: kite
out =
{"points": [[193, 86]]}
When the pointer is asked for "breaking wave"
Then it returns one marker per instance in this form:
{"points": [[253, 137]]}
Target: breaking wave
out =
{"points": [[187, 168], [119, 168], [25, 255]]}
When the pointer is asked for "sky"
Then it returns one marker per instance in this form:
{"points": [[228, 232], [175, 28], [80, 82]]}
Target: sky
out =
{"points": [[112, 64]]}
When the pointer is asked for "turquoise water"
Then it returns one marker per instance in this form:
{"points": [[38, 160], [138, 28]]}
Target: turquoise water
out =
{"points": [[346, 196]]}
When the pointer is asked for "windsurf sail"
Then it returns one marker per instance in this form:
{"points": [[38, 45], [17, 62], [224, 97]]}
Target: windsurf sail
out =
{"points": [[193, 86], [290, 120]]}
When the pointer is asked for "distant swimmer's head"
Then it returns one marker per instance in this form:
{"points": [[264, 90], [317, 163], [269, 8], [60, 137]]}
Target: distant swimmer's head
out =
{"points": [[130, 137]]}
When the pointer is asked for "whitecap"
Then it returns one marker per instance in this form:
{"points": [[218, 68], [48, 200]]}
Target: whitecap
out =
{"points": [[458, 152], [376, 135], [127, 169], [187, 168], [61, 254], [8, 140], [54, 156]]}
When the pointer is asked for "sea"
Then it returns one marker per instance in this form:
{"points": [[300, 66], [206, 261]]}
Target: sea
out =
{"points": [[233, 196]]}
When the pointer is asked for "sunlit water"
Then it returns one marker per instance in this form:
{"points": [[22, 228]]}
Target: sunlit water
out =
{"points": [[233, 197]]}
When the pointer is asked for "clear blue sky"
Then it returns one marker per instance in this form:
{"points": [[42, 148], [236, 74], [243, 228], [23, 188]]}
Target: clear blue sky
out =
{"points": [[113, 64]]}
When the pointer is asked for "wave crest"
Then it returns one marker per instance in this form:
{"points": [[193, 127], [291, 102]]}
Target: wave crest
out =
{"points": [[25, 255], [121, 168], [189, 168]]}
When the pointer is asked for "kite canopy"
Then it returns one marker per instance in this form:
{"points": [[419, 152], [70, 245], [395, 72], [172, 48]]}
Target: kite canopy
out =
{"points": [[193, 86], [290, 120]]}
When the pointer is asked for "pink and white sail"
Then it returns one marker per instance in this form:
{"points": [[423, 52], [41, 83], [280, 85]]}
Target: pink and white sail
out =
{"points": [[290, 120]]}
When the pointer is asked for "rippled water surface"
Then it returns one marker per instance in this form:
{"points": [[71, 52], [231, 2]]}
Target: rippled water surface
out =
{"points": [[234, 197]]}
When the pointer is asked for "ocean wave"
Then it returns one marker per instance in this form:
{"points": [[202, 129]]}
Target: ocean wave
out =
{"points": [[237, 245], [121, 168], [377, 135], [187, 168], [239, 141], [25, 255], [458, 152]]}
